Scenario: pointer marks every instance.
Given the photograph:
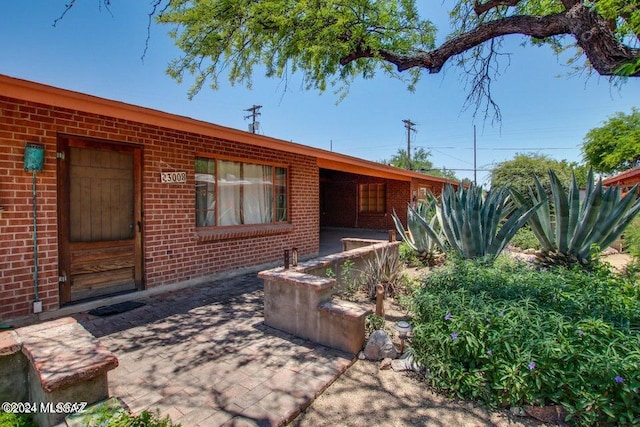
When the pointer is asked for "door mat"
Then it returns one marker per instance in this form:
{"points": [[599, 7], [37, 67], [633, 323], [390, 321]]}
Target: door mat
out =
{"points": [[110, 310]]}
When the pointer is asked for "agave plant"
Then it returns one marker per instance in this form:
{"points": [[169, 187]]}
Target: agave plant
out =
{"points": [[476, 225], [384, 268], [479, 226], [417, 237], [569, 229]]}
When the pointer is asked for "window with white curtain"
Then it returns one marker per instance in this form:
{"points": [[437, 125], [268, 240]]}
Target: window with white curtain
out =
{"points": [[234, 193]]}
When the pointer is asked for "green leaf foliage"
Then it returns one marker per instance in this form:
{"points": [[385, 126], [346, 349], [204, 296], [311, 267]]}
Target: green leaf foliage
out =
{"points": [[510, 335], [517, 173], [16, 420], [284, 36], [333, 42], [615, 146]]}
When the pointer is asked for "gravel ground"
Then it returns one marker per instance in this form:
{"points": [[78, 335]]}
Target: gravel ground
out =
{"points": [[367, 396]]}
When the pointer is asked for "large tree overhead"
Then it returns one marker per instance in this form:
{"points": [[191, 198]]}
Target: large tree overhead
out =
{"points": [[331, 42], [615, 146]]}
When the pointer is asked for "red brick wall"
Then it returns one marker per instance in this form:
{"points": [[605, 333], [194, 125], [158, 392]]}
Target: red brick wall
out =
{"points": [[173, 251]]}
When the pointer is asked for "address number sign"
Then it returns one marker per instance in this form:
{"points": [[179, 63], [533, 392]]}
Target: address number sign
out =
{"points": [[173, 177]]}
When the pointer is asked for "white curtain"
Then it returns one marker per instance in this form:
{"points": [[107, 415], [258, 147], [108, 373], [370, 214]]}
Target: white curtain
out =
{"points": [[244, 195], [230, 174], [257, 195]]}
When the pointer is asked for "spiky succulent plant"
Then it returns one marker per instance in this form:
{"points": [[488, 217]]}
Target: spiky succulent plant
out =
{"points": [[569, 227], [416, 236], [475, 224], [478, 225]]}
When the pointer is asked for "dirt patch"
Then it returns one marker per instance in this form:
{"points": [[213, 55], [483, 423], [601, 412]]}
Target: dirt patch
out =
{"points": [[367, 396]]}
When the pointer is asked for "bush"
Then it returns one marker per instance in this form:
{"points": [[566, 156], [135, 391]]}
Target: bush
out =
{"points": [[144, 419], [409, 256], [16, 420], [525, 239], [509, 335], [631, 239]]}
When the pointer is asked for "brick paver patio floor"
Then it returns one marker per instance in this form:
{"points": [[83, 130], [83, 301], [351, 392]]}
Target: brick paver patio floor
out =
{"points": [[204, 357]]}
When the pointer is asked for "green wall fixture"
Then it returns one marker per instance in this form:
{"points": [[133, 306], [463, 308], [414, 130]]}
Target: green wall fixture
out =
{"points": [[33, 157]]}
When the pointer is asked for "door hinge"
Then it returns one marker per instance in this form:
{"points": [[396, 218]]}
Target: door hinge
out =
{"points": [[60, 155], [62, 278]]}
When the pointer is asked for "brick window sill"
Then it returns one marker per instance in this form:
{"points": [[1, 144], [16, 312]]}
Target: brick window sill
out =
{"points": [[242, 232]]}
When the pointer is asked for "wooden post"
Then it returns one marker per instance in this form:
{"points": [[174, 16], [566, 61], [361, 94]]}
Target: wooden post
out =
{"points": [[380, 300]]}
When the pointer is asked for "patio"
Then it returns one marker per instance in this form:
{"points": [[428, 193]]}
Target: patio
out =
{"points": [[203, 357]]}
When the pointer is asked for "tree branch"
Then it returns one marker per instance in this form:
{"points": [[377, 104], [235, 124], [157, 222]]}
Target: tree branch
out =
{"points": [[434, 60], [480, 8], [591, 32]]}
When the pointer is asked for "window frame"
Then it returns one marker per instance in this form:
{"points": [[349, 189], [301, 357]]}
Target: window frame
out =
{"points": [[380, 198], [274, 193]]}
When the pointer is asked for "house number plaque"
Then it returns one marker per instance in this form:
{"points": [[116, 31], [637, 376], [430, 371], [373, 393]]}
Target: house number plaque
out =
{"points": [[173, 177]]}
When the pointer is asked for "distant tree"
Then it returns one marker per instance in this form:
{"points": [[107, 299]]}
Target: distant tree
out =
{"points": [[419, 163], [445, 173], [615, 146], [333, 42], [419, 160], [517, 172]]}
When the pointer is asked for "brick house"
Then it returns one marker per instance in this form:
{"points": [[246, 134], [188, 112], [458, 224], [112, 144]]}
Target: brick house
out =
{"points": [[132, 199], [625, 180]]}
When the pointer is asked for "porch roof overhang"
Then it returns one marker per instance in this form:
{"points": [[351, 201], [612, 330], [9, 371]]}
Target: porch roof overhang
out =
{"points": [[627, 178], [48, 95]]}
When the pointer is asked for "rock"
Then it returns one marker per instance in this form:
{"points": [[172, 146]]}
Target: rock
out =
{"points": [[406, 364], [385, 364], [517, 411], [547, 414], [380, 346]]}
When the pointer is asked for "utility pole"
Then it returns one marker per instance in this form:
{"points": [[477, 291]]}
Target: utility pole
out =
{"points": [[254, 110], [475, 148], [409, 125]]}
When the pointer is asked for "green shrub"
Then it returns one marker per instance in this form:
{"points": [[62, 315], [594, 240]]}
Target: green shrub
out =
{"points": [[631, 239], [16, 420], [116, 417], [408, 255], [373, 323], [144, 419], [510, 335], [525, 239]]}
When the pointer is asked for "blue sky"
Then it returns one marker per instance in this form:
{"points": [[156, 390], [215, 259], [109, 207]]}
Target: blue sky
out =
{"points": [[544, 110]]}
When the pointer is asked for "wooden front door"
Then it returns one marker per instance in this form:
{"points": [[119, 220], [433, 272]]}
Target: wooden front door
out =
{"points": [[99, 218]]}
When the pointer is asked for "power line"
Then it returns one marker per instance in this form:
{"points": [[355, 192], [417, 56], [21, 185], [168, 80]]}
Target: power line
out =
{"points": [[505, 148], [457, 169]]}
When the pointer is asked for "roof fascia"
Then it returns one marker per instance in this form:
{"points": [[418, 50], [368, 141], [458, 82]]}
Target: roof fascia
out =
{"points": [[25, 90]]}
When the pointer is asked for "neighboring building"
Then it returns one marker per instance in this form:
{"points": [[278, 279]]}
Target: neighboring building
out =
{"points": [[131, 198], [626, 180]]}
